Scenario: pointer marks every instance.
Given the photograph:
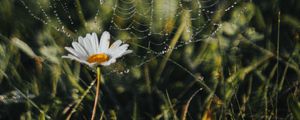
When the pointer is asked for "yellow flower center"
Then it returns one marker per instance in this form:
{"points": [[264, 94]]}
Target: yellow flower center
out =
{"points": [[99, 58]]}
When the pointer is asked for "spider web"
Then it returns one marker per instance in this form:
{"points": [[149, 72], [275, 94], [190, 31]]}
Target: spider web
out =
{"points": [[149, 25]]}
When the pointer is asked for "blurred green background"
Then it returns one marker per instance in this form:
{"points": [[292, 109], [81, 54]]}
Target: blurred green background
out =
{"points": [[192, 59]]}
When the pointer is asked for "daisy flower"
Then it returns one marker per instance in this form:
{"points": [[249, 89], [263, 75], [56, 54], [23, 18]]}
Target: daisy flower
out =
{"points": [[92, 52]]}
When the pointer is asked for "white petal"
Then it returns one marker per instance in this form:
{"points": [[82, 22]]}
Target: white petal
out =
{"points": [[83, 43], [116, 44], [104, 42], [110, 61], [71, 50], [79, 60], [79, 49], [124, 46], [96, 42], [127, 52], [87, 44], [93, 41], [119, 52], [91, 45], [72, 57], [69, 56]]}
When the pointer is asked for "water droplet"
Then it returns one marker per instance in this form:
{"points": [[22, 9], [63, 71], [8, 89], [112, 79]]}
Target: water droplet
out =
{"points": [[127, 71]]}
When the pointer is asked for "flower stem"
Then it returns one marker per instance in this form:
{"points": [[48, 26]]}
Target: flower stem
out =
{"points": [[97, 92]]}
